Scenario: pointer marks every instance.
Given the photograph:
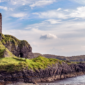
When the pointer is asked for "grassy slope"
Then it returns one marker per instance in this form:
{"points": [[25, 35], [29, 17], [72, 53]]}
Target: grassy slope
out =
{"points": [[2, 49], [13, 63]]}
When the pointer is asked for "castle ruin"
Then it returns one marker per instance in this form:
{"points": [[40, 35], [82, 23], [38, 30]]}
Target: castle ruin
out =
{"points": [[0, 25]]}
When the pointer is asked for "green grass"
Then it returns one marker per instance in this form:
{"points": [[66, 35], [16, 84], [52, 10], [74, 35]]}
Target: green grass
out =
{"points": [[8, 38], [11, 64], [2, 49]]}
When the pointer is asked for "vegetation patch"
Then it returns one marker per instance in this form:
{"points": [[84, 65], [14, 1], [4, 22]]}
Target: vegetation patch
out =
{"points": [[4, 51], [24, 43], [11, 39], [11, 64]]}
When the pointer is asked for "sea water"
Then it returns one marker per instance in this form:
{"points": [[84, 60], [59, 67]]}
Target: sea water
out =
{"points": [[80, 80]]}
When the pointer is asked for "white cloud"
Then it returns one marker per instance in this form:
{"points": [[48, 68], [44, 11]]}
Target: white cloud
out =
{"points": [[14, 2], [31, 3], [11, 9], [42, 3], [79, 12], [54, 21], [19, 15], [48, 36], [67, 10], [46, 25], [52, 14], [79, 1], [58, 9], [4, 8]]}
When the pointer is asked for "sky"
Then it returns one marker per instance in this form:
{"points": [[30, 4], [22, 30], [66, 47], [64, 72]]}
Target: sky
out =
{"points": [[50, 26]]}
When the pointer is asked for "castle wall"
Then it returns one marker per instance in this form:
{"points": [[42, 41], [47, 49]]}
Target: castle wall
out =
{"points": [[0, 23]]}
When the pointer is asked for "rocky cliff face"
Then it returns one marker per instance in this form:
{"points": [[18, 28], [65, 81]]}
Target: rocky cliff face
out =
{"points": [[19, 48], [58, 71], [4, 52]]}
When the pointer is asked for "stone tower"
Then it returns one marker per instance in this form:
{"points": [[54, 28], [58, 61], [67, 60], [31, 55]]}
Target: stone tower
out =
{"points": [[0, 26], [0, 23]]}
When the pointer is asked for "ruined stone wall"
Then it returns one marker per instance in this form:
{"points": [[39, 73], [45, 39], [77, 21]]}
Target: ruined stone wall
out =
{"points": [[0, 23]]}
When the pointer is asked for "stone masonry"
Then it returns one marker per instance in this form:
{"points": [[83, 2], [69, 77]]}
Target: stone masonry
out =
{"points": [[0, 23]]}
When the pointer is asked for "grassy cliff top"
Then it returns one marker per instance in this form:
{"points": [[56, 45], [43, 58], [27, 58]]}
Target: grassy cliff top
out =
{"points": [[11, 64], [11, 39]]}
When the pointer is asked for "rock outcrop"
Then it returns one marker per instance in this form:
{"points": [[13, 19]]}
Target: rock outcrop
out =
{"points": [[19, 48], [4, 52]]}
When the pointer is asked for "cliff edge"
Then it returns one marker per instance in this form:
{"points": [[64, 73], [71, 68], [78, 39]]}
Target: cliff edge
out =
{"points": [[19, 48]]}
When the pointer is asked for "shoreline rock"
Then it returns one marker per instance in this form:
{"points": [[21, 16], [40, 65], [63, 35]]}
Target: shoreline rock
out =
{"points": [[50, 74]]}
